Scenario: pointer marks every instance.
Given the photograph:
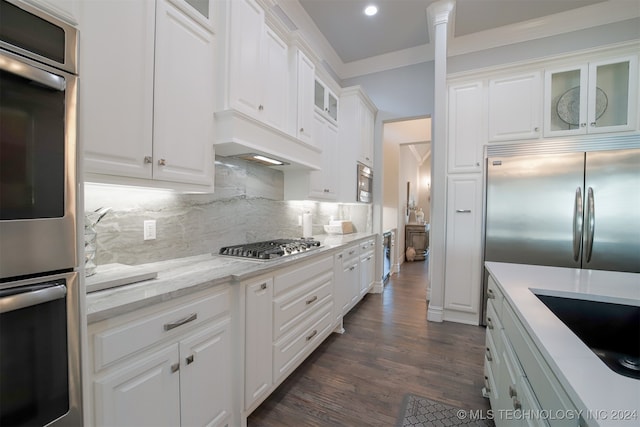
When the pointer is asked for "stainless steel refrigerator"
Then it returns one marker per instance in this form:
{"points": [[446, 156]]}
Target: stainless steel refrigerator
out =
{"points": [[567, 209]]}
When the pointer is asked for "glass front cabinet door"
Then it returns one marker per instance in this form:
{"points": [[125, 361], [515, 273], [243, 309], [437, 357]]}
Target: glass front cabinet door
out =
{"points": [[597, 97]]}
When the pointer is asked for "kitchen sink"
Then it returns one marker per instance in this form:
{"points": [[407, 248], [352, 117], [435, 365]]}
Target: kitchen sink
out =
{"points": [[610, 330]]}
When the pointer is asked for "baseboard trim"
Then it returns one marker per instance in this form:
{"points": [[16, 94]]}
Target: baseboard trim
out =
{"points": [[435, 314]]}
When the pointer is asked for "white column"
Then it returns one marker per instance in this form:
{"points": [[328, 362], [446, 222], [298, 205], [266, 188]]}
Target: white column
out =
{"points": [[438, 16]]}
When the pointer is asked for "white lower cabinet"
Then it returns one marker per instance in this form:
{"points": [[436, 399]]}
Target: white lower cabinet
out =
{"points": [[347, 282], [166, 365], [257, 338], [367, 266], [520, 385]]}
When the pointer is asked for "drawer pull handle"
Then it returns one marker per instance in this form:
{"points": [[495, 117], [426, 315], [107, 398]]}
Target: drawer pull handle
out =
{"points": [[189, 360], [312, 334], [162, 162], [353, 267], [486, 384], [488, 354], [340, 256], [173, 325], [516, 404], [175, 368], [489, 323], [463, 210], [351, 252], [490, 294], [263, 286], [312, 300], [512, 391]]}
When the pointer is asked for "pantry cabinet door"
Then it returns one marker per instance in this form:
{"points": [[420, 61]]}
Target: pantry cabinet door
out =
{"points": [[143, 393], [466, 127], [116, 96], [205, 376], [184, 99]]}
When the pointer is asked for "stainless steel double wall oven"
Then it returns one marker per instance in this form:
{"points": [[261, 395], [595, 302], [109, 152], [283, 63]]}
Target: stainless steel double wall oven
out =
{"points": [[40, 381]]}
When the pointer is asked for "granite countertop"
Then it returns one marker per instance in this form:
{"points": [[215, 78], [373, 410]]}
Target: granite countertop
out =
{"points": [[182, 276], [591, 385]]}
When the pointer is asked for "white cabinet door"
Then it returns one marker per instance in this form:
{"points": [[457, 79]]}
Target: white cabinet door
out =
{"points": [[515, 107], [117, 87], [322, 183], [205, 376], [66, 10], [466, 127], [143, 393], [366, 142], [245, 56], [275, 81], [463, 250], [367, 266], [258, 340], [305, 70], [598, 97], [184, 98]]}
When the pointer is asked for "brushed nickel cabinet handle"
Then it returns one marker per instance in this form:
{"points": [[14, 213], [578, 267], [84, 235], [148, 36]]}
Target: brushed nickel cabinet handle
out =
{"points": [[516, 404], [301, 129], [353, 267], [263, 286], [148, 159], [312, 300], [593, 124], [512, 391], [488, 354], [313, 334], [173, 325], [189, 360], [486, 384], [175, 368], [490, 294], [162, 162], [463, 210], [489, 323]]}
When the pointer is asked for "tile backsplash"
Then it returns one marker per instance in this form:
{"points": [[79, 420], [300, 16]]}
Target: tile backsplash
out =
{"points": [[247, 205]]}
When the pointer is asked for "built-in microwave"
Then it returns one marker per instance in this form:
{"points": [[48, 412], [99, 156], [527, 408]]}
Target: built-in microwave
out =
{"points": [[38, 96], [365, 184]]}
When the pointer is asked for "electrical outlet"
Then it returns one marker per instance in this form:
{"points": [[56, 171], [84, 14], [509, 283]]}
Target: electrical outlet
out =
{"points": [[150, 229]]}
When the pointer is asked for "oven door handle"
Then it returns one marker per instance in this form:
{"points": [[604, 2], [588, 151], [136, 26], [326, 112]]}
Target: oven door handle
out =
{"points": [[46, 78], [29, 299]]}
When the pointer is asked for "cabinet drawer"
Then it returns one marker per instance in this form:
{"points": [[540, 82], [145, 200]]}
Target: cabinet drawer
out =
{"points": [[494, 296], [293, 348], [115, 343], [494, 326], [298, 275], [290, 308], [350, 253], [367, 246], [545, 385]]}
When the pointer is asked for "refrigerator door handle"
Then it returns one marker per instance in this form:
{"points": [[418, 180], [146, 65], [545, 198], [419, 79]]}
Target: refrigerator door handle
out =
{"points": [[591, 223], [577, 224]]}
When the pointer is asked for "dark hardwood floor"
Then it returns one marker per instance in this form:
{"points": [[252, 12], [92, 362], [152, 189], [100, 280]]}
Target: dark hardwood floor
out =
{"points": [[389, 349]]}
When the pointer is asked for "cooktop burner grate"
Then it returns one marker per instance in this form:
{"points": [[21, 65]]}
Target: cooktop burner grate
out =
{"points": [[270, 249]]}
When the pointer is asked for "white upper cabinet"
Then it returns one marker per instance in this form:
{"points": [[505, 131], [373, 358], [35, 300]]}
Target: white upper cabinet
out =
{"points": [[466, 125], [515, 107], [183, 120], [597, 97], [147, 92], [258, 71], [323, 183], [304, 72], [325, 101], [367, 123]]}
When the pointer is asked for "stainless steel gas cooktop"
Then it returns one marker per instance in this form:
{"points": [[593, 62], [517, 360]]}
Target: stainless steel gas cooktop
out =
{"points": [[270, 249]]}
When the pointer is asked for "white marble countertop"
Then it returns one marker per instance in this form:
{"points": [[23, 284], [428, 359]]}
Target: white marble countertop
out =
{"points": [[591, 385], [183, 276]]}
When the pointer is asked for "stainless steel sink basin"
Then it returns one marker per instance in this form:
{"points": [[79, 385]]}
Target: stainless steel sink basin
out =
{"points": [[610, 330]]}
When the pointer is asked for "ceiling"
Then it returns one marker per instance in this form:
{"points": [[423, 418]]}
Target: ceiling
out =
{"points": [[402, 24]]}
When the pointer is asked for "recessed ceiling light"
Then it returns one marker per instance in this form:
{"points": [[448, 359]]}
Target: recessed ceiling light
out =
{"points": [[370, 10]]}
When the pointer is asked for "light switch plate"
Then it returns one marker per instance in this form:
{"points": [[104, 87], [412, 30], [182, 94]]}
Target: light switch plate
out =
{"points": [[150, 229]]}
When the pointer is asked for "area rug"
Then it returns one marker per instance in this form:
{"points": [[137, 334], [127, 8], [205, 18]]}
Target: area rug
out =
{"points": [[418, 411]]}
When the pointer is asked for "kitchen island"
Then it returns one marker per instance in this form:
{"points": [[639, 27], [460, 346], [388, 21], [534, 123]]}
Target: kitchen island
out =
{"points": [[520, 323]]}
